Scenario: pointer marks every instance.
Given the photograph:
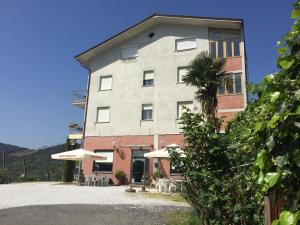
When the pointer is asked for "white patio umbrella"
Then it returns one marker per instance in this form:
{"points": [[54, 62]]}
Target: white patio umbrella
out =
{"points": [[163, 153], [77, 154]]}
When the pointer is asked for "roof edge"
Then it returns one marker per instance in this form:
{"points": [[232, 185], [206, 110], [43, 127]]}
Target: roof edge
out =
{"points": [[154, 15]]}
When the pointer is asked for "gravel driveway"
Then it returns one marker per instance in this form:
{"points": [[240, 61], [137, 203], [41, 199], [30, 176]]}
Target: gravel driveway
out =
{"points": [[50, 203], [50, 193]]}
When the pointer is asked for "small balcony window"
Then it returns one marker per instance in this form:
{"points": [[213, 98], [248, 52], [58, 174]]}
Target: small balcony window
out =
{"points": [[224, 43], [183, 107], [105, 83], [186, 44], [231, 84], [129, 53], [103, 114], [181, 72], [148, 78], [147, 111]]}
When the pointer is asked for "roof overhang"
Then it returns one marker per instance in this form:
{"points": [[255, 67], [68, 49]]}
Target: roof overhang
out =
{"points": [[85, 57]]}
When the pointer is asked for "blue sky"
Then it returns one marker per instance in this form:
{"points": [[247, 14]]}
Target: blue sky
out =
{"points": [[39, 38]]}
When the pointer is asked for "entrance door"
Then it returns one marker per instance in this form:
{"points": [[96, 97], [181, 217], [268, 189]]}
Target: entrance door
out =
{"points": [[138, 169], [139, 165]]}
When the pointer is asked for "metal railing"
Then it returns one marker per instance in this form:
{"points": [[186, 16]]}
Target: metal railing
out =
{"points": [[79, 96]]}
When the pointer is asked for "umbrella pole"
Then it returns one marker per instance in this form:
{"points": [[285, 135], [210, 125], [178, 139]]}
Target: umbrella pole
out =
{"points": [[79, 169]]}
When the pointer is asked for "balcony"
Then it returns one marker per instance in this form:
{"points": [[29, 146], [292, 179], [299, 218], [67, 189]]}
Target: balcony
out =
{"points": [[75, 131], [79, 99]]}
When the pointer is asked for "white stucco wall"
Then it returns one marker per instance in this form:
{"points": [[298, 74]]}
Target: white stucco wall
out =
{"points": [[127, 95]]}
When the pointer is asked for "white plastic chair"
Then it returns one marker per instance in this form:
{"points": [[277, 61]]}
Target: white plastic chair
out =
{"points": [[94, 181], [105, 181], [88, 180], [172, 187]]}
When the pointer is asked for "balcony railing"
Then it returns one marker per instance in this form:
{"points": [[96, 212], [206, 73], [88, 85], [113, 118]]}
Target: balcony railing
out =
{"points": [[79, 98]]}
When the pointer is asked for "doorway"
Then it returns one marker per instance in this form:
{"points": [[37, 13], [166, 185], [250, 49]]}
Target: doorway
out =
{"points": [[139, 166]]}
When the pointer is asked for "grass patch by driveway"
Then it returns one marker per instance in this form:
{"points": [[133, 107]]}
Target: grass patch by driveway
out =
{"points": [[183, 218], [173, 197]]}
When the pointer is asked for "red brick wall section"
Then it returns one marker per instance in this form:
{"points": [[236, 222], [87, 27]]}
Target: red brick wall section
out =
{"points": [[233, 63], [227, 117], [231, 101], [122, 155]]}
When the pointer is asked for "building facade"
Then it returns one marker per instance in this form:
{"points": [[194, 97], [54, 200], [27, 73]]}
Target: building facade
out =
{"points": [[135, 91]]}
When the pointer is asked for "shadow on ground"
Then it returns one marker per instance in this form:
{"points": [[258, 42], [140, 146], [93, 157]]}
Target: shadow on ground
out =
{"points": [[87, 214]]}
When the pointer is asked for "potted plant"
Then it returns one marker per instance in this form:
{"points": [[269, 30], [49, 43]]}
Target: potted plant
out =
{"points": [[121, 177]]}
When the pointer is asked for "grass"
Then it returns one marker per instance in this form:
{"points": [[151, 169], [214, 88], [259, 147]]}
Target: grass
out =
{"points": [[173, 197], [183, 218]]}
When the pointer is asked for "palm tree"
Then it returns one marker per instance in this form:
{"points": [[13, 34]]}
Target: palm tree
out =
{"points": [[205, 73]]}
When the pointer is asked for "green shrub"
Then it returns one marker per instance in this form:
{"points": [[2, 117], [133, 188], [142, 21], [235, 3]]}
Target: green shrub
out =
{"points": [[3, 176], [68, 171], [121, 176], [156, 175]]}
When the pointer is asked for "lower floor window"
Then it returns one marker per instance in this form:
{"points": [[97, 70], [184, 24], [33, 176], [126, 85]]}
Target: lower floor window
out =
{"points": [[104, 165]]}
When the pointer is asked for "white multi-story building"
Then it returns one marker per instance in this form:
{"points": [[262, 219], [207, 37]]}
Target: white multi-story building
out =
{"points": [[135, 90]]}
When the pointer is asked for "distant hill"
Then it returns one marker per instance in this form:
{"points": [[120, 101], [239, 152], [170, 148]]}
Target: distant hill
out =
{"points": [[34, 164]]}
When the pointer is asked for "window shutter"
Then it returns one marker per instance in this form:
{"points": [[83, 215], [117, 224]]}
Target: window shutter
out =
{"points": [[148, 75], [105, 83], [147, 107], [103, 115], [186, 43], [129, 53]]}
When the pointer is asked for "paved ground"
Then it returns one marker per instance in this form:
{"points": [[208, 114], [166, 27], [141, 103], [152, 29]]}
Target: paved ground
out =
{"points": [[52, 203], [86, 214]]}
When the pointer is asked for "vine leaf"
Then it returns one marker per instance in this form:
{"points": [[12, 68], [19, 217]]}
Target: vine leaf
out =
{"points": [[281, 160], [286, 64], [258, 127], [295, 13], [287, 218], [281, 50], [272, 178], [273, 121], [270, 143], [297, 95], [296, 157], [261, 159], [275, 96]]}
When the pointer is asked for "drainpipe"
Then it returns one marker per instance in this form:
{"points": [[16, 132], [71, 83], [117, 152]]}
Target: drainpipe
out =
{"points": [[85, 112], [86, 104]]}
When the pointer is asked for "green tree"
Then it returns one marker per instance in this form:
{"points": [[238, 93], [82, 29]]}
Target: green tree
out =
{"points": [[69, 166], [205, 73], [206, 164]]}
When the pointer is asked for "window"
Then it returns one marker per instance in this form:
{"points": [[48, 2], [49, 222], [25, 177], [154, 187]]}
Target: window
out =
{"points": [[231, 84], [103, 115], [185, 44], [182, 107], [148, 78], [224, 43], [104, 165], [147, 110], [105, 83], [181, 72], [127, 53]]}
